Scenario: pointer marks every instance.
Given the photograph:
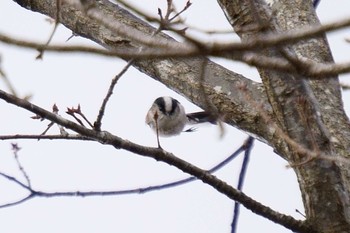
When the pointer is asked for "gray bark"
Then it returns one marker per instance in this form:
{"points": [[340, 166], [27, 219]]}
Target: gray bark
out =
{"points": [[309, 111]]}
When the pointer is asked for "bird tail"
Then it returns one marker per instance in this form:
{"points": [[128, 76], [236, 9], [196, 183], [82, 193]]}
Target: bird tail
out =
{"points": [[201, 117]]}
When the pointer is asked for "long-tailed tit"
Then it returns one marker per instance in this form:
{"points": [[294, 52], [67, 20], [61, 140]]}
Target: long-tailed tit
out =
{"points": [[167, 117]]}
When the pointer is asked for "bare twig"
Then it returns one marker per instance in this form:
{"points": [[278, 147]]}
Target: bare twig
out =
{"points": [[298, 211], [7, 80], [47, 129], [98, 122], [209, 32], [75, 117], [72, 111], [166, 22], [248, 148], [24, 199], [48, 137], [16, 149], [57, 21], [188, 4], [129, 6], [55, 111]]}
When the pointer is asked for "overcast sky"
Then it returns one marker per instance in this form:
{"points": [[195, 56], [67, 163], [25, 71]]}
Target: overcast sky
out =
{"points": [[71, 79]]}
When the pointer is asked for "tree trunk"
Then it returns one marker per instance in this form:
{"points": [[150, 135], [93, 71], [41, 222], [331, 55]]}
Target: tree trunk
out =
{"points": [[308, 109]]}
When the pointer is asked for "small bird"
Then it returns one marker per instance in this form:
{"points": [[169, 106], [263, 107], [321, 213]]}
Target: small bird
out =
{"points": [[167, 117]]}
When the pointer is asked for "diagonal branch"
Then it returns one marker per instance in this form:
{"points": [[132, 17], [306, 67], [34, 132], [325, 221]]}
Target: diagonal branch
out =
{"points": [[166, 157], [248, 148], [98, 122]]}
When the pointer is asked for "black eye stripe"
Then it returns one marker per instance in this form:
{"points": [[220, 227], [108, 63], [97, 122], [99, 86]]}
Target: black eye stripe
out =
{"points": [[174, 104], [161, 104]]}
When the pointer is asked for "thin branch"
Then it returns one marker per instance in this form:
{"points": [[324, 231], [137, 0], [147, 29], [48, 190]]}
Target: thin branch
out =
{"points": [[80, 113], [98, 122], [13, 179], [24, 199], [249, 146], [8, 83], [16, 149], [57, 20], [296, 210], [48, 137], [7, 80], [47, 128], [129, 6], [210, 32], [55, 111], [188, 4], [72, 111]]}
